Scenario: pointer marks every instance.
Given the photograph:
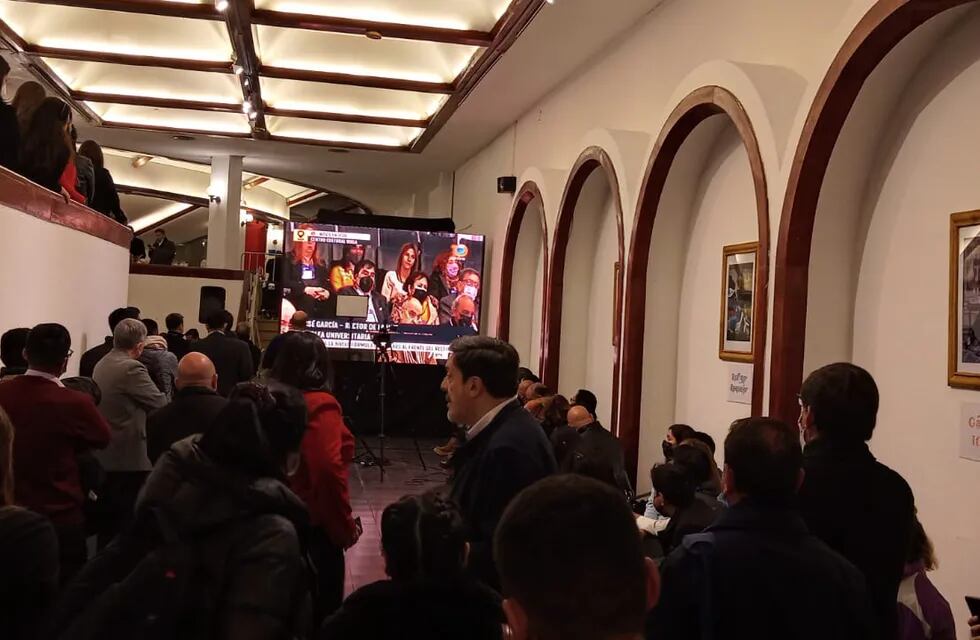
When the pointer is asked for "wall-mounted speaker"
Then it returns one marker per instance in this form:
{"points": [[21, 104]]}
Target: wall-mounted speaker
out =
{"points": [[506, 184]]}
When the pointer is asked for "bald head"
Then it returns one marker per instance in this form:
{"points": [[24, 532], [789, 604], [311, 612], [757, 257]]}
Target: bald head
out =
{"points": [[298, 321], [196, 370], [579, 416]]}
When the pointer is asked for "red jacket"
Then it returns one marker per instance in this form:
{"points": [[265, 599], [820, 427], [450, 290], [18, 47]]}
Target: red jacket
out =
{"points": [[321, 481], [69, 178], [52, 425]]}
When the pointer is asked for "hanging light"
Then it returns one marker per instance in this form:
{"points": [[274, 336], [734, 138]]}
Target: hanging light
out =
{"points": [[221, 5]]}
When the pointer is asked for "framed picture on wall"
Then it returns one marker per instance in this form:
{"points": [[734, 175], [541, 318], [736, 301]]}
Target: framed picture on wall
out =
{"points": [[964, 300], [738, 290]]}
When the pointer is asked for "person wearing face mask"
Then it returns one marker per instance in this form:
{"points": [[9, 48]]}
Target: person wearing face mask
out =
{"points": [[327, 452], [416, 288], [364, 285], [464, 315], [225, 496], [676, 434], [445, 272], [468, 284]]}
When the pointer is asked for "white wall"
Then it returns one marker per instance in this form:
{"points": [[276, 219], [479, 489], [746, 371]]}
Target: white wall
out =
{"points": [[528, 287], [925, 169], [50, 273], [588, 300], [157, 296], [724, 213]]}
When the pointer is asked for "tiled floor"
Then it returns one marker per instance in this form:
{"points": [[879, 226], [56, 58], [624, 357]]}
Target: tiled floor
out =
{"points": [[369, 496]]}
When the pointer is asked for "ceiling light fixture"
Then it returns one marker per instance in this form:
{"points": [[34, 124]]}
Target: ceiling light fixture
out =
{"points": [[182, 138], [373, 35], [221, 5], [238, 69], [247, 106], [141, 161]]}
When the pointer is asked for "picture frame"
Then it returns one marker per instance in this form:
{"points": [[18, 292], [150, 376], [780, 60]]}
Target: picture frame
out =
{"points": [[964, 300], [739, 287]]}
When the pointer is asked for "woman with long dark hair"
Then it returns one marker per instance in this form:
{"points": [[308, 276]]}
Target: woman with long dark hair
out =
{"points": [[427, 595], [26, 101], [325, 457], [106, 198], [46, 146], [393, 287]]}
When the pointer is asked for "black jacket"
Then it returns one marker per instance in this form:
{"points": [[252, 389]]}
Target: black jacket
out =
{"points": [[163, 253], [231, 359], [176, 343], [864, 511], [563, 440], [9, 137], [106, 199], [597, 454], [29, 561], [694, 518], [758, 573], [294, 285], [510, 454], [86, 367], [137, 248], [246, 534], [191, 412], [411, 610]]}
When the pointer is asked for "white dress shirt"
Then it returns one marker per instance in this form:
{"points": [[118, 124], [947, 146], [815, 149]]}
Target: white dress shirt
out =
{"points": [[45, 375], [487, 418]]}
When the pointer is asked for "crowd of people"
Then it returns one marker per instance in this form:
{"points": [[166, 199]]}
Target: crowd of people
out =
{"points": [[38, 141], [213, 481]]}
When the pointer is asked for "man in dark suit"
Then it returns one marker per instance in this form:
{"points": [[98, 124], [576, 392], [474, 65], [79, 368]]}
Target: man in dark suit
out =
{"points": [[194, 406], [163, 250], [91, 357], [858, 506], [364, 285], [176, 342], [758, 572], [505, 448], [230, 356], [595, 452], [52, 426], [674, 497], [467, 285]]}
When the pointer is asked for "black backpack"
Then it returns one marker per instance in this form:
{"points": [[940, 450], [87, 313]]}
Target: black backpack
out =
{"points": [[150, 583]]}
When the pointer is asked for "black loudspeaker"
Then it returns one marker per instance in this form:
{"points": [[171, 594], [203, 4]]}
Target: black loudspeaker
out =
{"points": [[506, 184], [212, 299]]}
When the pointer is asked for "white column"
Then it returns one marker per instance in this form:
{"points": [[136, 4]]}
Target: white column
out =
{"points": [[226, 236]]}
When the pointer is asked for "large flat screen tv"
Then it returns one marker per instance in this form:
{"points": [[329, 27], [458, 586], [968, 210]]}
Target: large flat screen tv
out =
{"points": [[425, 287]]}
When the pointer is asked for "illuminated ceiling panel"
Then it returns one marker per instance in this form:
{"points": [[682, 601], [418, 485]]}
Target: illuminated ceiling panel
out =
{"points": [[335, 98], [384, 74], [127, 80], [357, 55], [92, 30], [445, 14], [370, 134], [176, 119]]}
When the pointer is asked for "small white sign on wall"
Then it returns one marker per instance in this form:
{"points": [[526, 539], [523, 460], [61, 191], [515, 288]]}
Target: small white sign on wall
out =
{"points": [[969, 429], [740, 383]]}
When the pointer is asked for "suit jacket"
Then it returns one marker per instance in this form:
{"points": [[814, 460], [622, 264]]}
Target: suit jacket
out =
{"points": [[864, 511], [191, 412], [446, 309], [128, 394], [231, 359], [694, 518], [377, 301], [52, 425], [176, 343], [759, 573], [91, 358], [510, 454], [292, 279], [598, 454], [163, 253]]}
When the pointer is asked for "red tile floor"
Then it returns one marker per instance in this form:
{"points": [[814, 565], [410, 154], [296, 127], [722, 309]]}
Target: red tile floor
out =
{"points": [[369, 496]]}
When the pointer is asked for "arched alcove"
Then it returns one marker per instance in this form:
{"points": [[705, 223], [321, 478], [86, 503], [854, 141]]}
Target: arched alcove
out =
{"points": [[885, 25], [523, 275], [863, 267], [661, 312], [583, 324]]}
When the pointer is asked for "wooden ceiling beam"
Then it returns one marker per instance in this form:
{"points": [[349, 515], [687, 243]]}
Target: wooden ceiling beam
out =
{"points": [[373, 82], [172, 218], [150, 7], [346, 117], [238, 18], [160, 103], [469, 37], [147, 192]]}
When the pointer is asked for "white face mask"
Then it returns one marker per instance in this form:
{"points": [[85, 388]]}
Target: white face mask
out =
{"points": [[470, 291]]}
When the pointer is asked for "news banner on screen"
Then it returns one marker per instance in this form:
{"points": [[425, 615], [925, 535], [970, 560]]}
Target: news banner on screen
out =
{"points": [[352, 281]]}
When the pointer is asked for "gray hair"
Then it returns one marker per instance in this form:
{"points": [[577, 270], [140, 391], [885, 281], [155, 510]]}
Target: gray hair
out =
{"points": [[128, 334]]}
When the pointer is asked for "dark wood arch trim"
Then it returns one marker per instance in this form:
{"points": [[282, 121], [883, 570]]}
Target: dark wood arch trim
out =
{"points": [[528, 193], [694, 109], [886, 24], [592, 159]]}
